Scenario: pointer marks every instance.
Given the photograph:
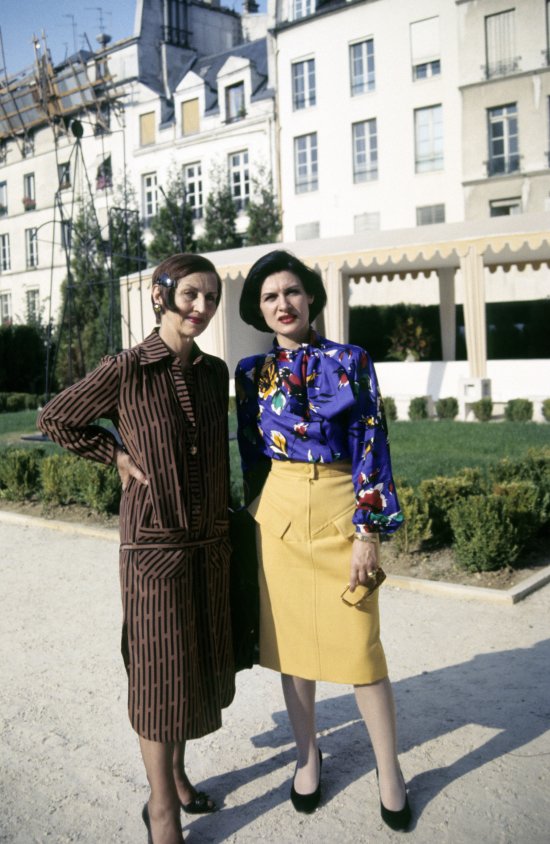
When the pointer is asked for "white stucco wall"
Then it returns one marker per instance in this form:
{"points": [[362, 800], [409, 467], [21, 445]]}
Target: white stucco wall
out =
{"points": [[398, 190], [509, 380]]}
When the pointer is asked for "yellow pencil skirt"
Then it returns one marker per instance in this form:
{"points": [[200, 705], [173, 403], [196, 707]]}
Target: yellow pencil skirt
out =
{"points": [[305, 535]]}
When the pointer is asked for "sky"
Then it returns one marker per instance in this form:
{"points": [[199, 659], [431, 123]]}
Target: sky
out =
{"points": [[64, 22]]}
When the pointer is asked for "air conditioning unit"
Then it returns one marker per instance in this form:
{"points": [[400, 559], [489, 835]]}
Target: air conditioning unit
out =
{"points": [[474, 389]]}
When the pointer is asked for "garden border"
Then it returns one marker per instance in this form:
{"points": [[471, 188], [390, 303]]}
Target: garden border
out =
{"points": [[397, 581]]}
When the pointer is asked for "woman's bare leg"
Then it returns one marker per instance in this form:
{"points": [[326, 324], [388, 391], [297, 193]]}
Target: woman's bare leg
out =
{"points": [[299, 697], [164, 805], [376, 705]]}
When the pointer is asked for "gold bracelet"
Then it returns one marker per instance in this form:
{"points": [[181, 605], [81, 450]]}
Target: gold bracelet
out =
{"points": [[373, 538]]}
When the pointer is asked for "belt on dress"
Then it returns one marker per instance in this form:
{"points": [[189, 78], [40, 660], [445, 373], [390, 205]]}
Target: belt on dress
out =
{"points": [[170, 546]]}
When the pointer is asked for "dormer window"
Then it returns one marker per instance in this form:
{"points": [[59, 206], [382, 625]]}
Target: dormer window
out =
{"points": [[190, 124], [234, 102]]}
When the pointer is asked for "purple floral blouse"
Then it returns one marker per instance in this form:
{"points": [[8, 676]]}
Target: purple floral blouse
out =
{"points": [[319, 404]]}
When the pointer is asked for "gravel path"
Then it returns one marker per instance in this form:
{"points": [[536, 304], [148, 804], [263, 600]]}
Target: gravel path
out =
{"points": [[471, 682]]}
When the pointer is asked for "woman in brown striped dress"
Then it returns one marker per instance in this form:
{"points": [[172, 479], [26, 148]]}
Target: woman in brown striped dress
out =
{"points": [[168, 401]]}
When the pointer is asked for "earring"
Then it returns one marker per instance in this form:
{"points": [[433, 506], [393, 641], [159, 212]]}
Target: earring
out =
{"points": [[156, 307]]}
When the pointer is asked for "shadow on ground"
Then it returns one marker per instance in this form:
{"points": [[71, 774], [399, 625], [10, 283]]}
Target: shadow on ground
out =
{"points": [[498, 691]]}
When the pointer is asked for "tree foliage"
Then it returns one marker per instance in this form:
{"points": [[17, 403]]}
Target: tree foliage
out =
{"points": [[172, 225], [89, 326], [264, 217], [220, 219], [22, 358]]}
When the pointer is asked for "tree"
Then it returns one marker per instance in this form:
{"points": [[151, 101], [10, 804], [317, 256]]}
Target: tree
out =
{"points": [[90, 321], [264, 217], [172, 225], [127, 253], [22, 359], [80, 335], [220, 231]]}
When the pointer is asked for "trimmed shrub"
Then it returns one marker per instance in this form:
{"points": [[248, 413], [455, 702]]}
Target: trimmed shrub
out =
{"points": [[485, 538], [59, 484], [20, 473], [482, 409], [534, 467], [440, 494], [490, 531], [416, 528], [446, 408], [546, 409], [101, 488], [518, 410], [15, 402], [418, 408], [390, 409]]}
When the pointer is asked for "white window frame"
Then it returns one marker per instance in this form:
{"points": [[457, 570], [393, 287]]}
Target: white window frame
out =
{"points": [[239, 178], [302, 8], [32, 299], [64, 175], [29, 192], [5, 308], [428, 137], [31, 247], [425, 70], [362, 69], [5, 255], [500, 47], [430, 215], [425, 48], [306, 163], [235, 108], [3, 198], [149, 196], [192, 178], [511, 206], [303, 84], [503, 136], [365, 150]]}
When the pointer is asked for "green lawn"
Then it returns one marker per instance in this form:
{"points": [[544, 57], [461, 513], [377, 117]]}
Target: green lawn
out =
{"points": [[13, 425], [419, 449], [426, 449]]}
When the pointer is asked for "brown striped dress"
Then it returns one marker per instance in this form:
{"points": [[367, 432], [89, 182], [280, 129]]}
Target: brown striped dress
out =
{"points": [[174, 553]]}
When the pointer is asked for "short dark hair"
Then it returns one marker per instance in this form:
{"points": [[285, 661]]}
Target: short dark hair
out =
{"points": [[276, 262], [177, 267]]}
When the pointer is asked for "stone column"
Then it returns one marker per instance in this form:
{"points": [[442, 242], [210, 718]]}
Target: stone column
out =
{"points": [[336, 313], [447, 315], [471, 265]]}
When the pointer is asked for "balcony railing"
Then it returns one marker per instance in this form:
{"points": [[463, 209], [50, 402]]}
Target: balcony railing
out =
{"points": [[502, 68], [503, 166]]}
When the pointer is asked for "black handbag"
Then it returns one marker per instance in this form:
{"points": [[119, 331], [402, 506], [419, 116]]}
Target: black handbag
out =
{"points": [[244, 593]]}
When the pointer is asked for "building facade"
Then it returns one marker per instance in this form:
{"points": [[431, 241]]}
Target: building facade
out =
{"points": [[186, 93], [380, 121]]}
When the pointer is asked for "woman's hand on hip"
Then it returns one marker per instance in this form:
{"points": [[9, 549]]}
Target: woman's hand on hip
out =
{"points": [[364, 560], [127, 469]]}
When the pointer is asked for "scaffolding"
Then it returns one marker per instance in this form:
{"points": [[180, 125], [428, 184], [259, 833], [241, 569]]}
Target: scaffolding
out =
{"points": [[45, 94], [63, 97]]}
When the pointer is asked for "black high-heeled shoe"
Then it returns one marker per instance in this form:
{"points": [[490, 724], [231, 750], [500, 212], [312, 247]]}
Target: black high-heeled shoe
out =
{"points": [[307, 803], [398, 820], [147, 822]]}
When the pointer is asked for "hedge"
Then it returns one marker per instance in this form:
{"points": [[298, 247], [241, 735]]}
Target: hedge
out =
{"points": [[489, 519]]}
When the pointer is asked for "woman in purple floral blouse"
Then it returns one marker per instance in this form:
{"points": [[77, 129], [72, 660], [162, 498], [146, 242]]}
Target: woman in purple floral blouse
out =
{"points": [[311, 420]]}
